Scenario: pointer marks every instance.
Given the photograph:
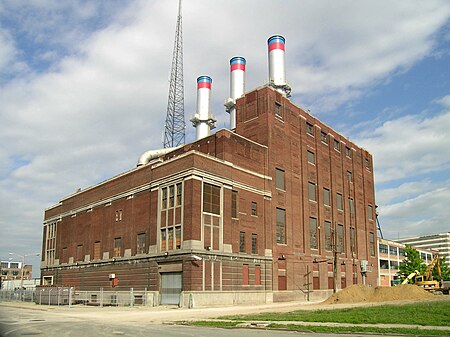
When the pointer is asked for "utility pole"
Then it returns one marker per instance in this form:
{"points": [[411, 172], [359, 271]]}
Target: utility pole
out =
{"points": [[175, 125], [335, 258]]}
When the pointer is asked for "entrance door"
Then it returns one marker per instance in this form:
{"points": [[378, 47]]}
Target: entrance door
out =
{"points": [[171, 287]]}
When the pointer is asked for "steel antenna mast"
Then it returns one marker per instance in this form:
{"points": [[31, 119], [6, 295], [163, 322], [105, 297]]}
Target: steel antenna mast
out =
{"points": [[175, 125]]}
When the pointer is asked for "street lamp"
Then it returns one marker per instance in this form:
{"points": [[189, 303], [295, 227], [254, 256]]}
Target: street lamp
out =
{"points": [[23, 265]]}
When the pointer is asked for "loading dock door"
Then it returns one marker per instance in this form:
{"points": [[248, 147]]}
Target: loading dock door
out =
{"points": [[171, 287]]}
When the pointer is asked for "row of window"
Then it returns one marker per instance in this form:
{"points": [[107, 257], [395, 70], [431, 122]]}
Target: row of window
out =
{"points": [[242, 243], [334, 237], [234, 206], [323, 136]]}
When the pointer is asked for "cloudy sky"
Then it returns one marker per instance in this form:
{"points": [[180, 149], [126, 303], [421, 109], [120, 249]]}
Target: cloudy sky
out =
{"points": [[84, 86]]}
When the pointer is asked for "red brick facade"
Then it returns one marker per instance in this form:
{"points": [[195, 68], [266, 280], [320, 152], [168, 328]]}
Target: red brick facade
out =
{"points": [[231, 247]]}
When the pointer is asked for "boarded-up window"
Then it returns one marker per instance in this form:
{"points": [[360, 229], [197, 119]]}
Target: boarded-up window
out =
{"points": [[245, 275], [312, 191], [97, 250], [117, 246], [80, 256], [282, 284], [258, 275], [326, 197], [279, 179]]}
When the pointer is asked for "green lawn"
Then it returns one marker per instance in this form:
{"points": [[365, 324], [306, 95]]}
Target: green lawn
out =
{"points": [[426, 313]]}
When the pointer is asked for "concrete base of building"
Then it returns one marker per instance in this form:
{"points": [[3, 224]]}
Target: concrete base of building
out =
{"points": [[195, 299]]}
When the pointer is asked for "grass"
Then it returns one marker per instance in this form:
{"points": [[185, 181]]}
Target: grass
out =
{"points": [[426, 313]]}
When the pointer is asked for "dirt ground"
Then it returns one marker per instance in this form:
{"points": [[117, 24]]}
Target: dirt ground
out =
{"points": [[359, 293]]}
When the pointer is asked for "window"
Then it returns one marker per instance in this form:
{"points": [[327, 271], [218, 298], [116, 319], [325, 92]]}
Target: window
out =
{"points": [[281, 225], [348, 152], [370, 212], [352, 239], [327, 226], [171, 196], [351, 206], [164, 198], [119, 215], [163, 239], [234, 195], [178, 237], [179, 194], [14, 265], [15, 272], [278, 111], [254, 208], [97, 250], [279, 179], [312, 191], [4, 265], [392, 250], [313, 244], [326, 197], [50, 243], [372, 243], [337, 145], [423, 256], [384, 264], [367, 163], [140, 249], [311, 157], [309, 129], [383, 249], [211, 199], [401, 252], [324, 137], [393, 264], [117, 246], [339, 201], [254, 244], [340, 238], [349, 176], [242, 242]]}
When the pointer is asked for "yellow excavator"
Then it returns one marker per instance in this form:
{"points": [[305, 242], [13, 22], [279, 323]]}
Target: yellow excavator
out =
{"points": [[426, 281]]}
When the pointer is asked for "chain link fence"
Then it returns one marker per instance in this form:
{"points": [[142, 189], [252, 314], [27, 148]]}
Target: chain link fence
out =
{"points": [[48, 295]]}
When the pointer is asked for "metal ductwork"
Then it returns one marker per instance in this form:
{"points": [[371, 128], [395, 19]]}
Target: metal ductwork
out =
{"points": [[237, 87], [148, 156]]}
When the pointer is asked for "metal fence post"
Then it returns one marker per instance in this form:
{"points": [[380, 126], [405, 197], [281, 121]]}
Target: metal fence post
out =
{"points": [[49, 299], [101, 297], [145, 297]]}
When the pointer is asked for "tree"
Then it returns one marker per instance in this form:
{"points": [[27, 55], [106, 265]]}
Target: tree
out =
{"points": [[411, 263]]}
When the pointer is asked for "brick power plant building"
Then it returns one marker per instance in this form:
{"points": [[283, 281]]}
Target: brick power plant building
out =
{"points": [[279, 207]]}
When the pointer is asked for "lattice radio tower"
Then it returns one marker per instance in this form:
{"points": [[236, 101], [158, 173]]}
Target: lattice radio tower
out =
{"points": [[175, 125]]}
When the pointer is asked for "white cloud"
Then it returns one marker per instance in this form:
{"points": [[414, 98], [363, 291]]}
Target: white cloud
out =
{"points": [[425, 214], [409, 145]]}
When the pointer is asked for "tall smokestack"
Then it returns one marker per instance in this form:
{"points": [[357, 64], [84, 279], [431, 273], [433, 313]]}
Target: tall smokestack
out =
{"points": [[203, 120], [237, 87], [277, 73]]}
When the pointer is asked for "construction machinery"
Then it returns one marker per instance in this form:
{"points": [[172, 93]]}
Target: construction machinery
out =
{"points": [[427, 281]]}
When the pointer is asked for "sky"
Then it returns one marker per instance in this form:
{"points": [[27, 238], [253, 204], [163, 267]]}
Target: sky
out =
{"points": [[84, 88]]}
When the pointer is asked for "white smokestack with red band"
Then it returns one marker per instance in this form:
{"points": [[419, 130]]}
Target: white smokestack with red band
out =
{"points": [[277, 72], [237, 87], [203, 120]]}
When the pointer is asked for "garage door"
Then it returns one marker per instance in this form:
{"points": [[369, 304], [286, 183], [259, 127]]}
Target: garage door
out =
{"points": [[171, 286]]}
